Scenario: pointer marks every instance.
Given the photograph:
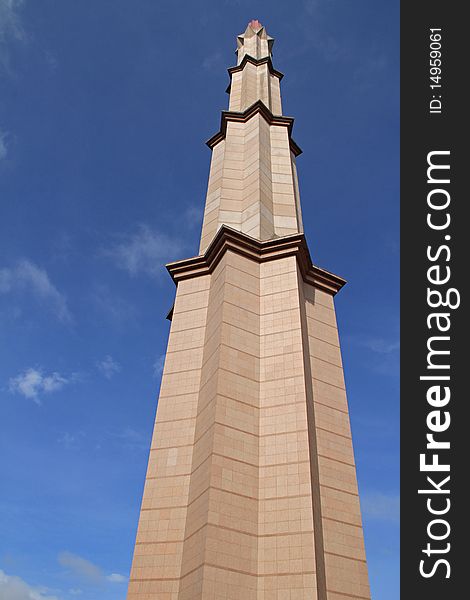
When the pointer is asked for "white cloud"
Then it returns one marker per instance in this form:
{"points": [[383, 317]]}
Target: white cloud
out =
{"points": [[15, 588], [109, 367], [116, 578], [158, 365], [381, 346], [31, 383], [11, 30], [9, 19], [86, 570], [53, 383], [5, 281], [3, 144], [28, 276], [129, 438], [81, 567], [51, 60], [66, 439], [379, 354], [71, 440], [38, 279], [379, 506], [193, 216], [144, 252]]}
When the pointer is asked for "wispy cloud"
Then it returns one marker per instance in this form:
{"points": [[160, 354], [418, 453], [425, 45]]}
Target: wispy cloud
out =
{"points": [[116, 578], [109, 367], [112, 306], [15, 588], [81, 567], [313, 35], [327, 46], [158, 365], [127, 439], [368, 72], [144, 251], [5, 281], [32, 383], [70, 440], [66, 439], [380, 506], [86, 570], [212, 62], [193, 216], [11, 31], [29, 277], [311, 6], [62, 247], [130, 438], [3, 144], [380, 354], [380, 345], [51, 60]]}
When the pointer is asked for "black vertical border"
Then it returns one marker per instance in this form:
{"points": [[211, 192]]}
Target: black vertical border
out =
{"points": [[422, 132]]}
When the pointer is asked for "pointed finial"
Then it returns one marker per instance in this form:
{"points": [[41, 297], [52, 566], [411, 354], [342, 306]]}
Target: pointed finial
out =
{"points": [[255, 25], [254, 41]]}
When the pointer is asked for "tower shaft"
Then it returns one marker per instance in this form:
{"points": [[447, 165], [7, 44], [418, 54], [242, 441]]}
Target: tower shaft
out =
{"points": [[251, 489], [253, 179]]}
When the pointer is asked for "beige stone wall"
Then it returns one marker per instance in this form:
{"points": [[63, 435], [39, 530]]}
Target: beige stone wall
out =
{"points": [[286, 544], [253, 83], [252, 183], [344, 553], [251, 490], [158, 551], [220, 558]]}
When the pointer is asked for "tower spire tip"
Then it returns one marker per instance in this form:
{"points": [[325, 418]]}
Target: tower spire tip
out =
{"points": [[255, 25]]}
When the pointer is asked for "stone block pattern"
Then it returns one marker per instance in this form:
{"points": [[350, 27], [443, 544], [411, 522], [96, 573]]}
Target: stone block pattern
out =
{"points": [[252, 183], [253, 83], [251, 491], [340, 517]]}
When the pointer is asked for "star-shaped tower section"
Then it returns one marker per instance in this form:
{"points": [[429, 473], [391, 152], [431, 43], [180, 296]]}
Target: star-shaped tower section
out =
{"points": [[255, 42]]}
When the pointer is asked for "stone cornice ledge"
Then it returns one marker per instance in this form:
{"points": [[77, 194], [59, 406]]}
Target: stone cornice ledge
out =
{"points": [[254, 61], [243, 117], [231, 239]]}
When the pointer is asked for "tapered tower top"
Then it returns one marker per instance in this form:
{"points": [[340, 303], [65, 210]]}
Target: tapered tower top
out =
{"points": [[253, 184], [255, 42]]}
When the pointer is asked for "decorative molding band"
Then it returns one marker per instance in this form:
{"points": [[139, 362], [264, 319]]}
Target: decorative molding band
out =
{"points": [[254, 61], [260, 251], [242, 117]]}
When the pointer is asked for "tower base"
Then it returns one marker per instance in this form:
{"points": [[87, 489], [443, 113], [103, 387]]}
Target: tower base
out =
{"points": [[251, 490]]}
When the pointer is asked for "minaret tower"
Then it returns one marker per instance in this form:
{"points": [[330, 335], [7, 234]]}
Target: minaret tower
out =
{"points": [[251, 489]]}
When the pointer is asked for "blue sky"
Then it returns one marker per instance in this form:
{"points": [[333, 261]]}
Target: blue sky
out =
{"points": [[104, 110]]}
